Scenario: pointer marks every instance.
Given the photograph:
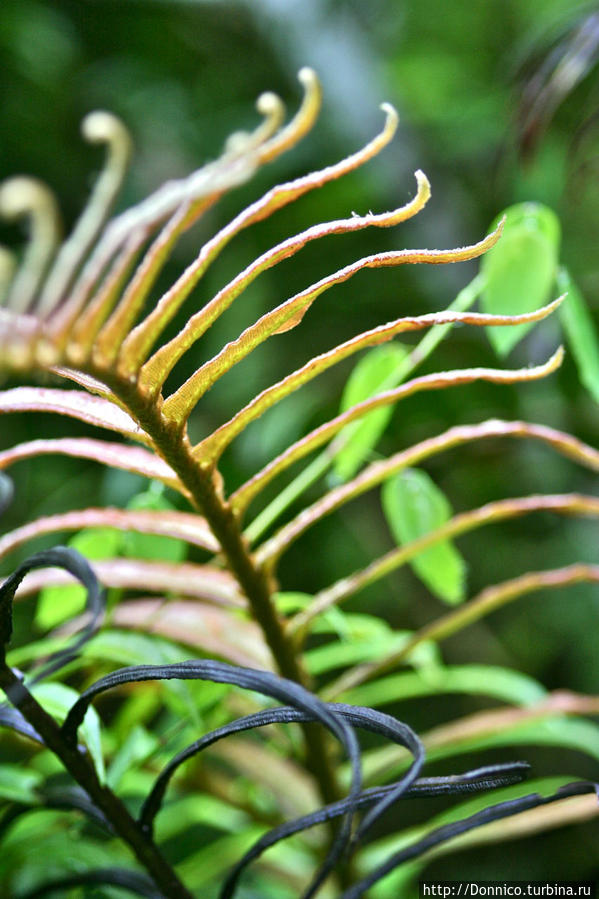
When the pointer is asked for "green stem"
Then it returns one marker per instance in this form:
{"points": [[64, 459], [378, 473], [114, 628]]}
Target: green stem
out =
{"points": [[321, 464], [311, 473]]}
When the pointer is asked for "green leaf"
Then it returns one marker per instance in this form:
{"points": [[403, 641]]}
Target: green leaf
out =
{"points": [[48, 845], [190, 811], [153, 546], [18, 785], [138, 745], [373, 374], [365, 638], [58, 604], [553, 730], [580, 332], [57, 699], [213, 860], [129, 648], [414, 506], [520, 269], [341, 654], [488, 680], [289, 602]]}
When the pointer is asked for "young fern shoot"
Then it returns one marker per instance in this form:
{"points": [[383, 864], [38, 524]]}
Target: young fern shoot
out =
{"points": [[83, 311]]}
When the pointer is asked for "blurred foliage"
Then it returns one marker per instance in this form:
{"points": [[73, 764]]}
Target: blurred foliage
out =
{"points": [[487, 115]]}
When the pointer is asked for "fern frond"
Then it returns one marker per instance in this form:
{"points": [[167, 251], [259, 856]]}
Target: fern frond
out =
{"points": [[141, 339], [179, 525], [211, 448], [490, 513], [270, 551], [115, 455], [289, 314], [490, 599]]}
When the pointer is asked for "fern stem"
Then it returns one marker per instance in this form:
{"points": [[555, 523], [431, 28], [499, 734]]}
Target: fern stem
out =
{"points": [[257, 584]]}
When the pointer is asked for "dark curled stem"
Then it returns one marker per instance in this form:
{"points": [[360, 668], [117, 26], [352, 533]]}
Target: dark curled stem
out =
{"points": [[449, 831], [357, 716], [98, 802], [41, 726], [80, 768], [480, 779], [118, 877], [264, 682], [485, 778], [78, 566]]}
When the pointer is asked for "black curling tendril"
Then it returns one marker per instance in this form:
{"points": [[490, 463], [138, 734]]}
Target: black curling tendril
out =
{"points": [[73, 562], [340, 719], [135, 883], [488, 777], [264, 682], [360, 717], [480, 779], [447, 832]]}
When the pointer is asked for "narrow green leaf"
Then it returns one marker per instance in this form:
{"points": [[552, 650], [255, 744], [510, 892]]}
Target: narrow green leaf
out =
{"points": [[365, 638], [487, 680], [57, 699], [138, 745], [520, 269], [373, 374], [58, 604], [190, 811], [129, 648], [289, 602], [580, 332], [414, 506], [153, 546], [340, 654], [211, 861], [18, 785], [48, 845], [565, 731]]}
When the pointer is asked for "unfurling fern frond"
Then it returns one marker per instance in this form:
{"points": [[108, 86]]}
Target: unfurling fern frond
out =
{"points": [[80, 311]]}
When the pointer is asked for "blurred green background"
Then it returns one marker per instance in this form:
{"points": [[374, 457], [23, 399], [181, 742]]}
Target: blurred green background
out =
{"points": [[485, 116]]}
